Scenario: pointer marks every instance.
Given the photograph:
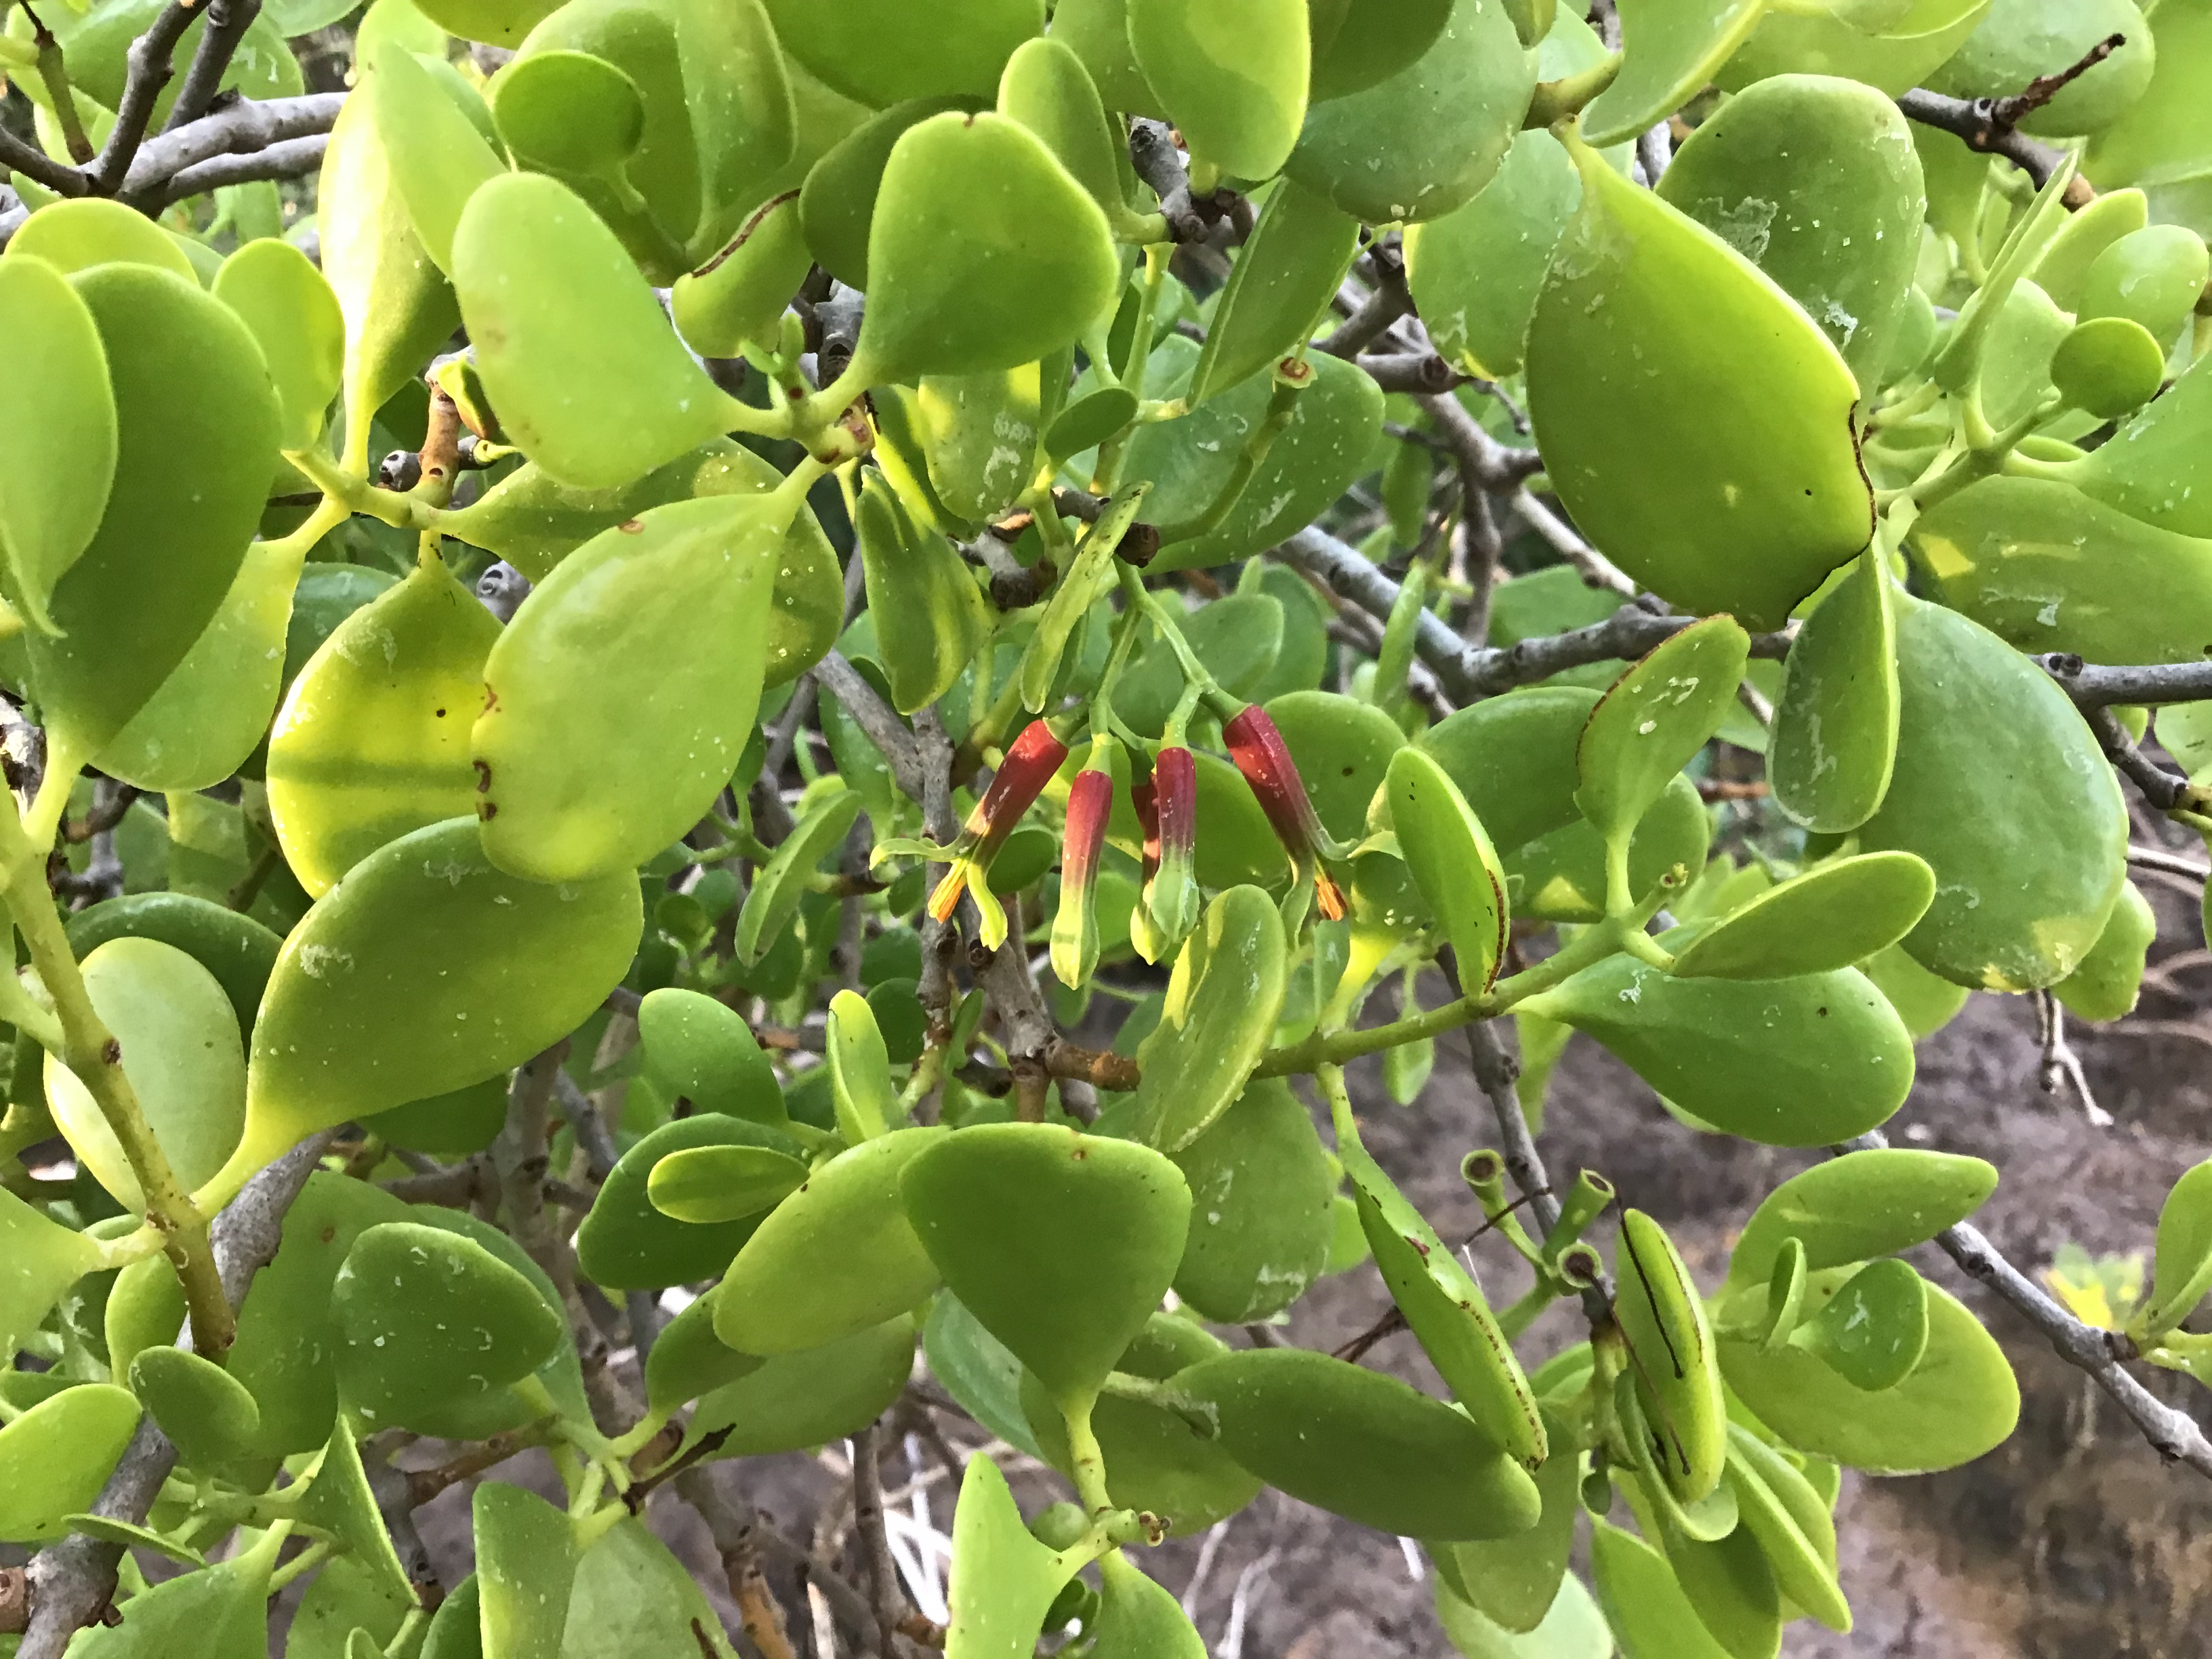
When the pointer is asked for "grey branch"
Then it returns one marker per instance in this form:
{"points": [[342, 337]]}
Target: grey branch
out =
{"points": [[2094, 687], [875, 717], [238, 129], [1498, 467], [1974, 121], [1469, 671], [2172, 864], [148, 70], [2173, 1433], [1417, 372], [34, 163], [227, 23], [73, 1581], [294, 159]]}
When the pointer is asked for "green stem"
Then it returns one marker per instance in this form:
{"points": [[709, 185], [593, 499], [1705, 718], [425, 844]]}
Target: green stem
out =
{"points": [[302, 1564], [55, 75], [89, 1049], [1087, 1463], [1555, 100]]}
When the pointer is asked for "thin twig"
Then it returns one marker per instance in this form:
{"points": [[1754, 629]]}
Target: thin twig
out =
{"points": [[2060, 1066], [2173, 1433], [2172, 864], [148, 70], [227, 23]]}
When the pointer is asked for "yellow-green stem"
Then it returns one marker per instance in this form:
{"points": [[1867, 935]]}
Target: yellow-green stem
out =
{"points": [[89, 1049]]}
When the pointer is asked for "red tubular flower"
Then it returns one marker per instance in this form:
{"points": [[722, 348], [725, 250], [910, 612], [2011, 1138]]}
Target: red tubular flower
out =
{"points": [[1030, 764], [1075, 928], [1265, 760], [1171, 894]]}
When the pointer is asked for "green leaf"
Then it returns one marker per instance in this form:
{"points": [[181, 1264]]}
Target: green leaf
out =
{"points": [[237, 950], [706, 1053], [2182, 1269], [882, 51], [197, 445], [2002, 788], [569, 112], [1283, 279], [1362, 1445], [2137, 470], [1874, 1330], [1003, 1581], [1730, 1589], [980, 435], [1653, 722], [1668, 52], [1826, 43], [203, 1408], [429, 1318], [1097, 32], [1331, 434], [338, 1498], [183, 1057], [1561, 877], [689, 1360], [835, 1258], [859, 1071], [213, 712], [145, 1307], [286, 1345], [1515, 1585], [2108, 365], [1222, 1002], [738, 296], [1356, 43], [1677, 1382], [58, 431], [1453, 863], [1571, 1628], [1261, 1221], [627, 1242], [589, 379], [983, 254], [364, 1010], [1231, 75], [2109, 979], [1154, 1459], [456, 1630], [437, 155], [1834, 742], [980, 1372], [1140, 1619], [397, 305], [1512, 757], [1861, 1205], [77, 234], [1796, 1063], [1424, 140], [525, 1572], [1925, 1003], [1646, 311], [704, 1185], [55, 1458], [372, 742], [931, 618], [1475, 272], [1445, 1308], [496, 22], [782, 881], [1642, 1601], [809, 1398], [533, 523], [837, 202], [220, 1611], [1814, 181], [1062, 1244], [632, 1597], [1827, 919], [672, 606], [1046, 88], [1959, 1401], [2014, 555]]}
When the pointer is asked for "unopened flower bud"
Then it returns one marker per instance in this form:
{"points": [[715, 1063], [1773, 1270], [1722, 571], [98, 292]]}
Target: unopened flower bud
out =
{"points": [[1265, 760], [1030, 764], [1075, 927]]}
